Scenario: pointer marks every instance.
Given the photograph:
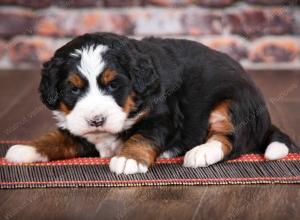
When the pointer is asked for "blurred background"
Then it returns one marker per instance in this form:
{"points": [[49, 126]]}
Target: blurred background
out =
{"points": [[259, 33]]}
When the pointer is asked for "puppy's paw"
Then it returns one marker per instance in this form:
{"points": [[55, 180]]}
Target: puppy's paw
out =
{"points": [[173, 152], [127, 166], [165, 155], [24, 154], [276, 150], [204, 155]]}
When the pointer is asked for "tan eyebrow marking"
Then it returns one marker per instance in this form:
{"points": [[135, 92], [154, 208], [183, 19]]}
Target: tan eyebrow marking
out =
{"points": [[64, 108], [107, 76], [76, 80], [129, 103]]}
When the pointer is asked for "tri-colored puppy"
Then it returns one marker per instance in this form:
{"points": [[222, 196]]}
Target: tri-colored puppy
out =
{"points": [[135, 100]]}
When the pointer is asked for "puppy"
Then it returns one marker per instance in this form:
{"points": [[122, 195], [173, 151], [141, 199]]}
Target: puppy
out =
{"points": [[135, 100]]}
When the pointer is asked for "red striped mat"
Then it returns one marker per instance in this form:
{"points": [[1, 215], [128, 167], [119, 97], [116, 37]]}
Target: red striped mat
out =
{"points": [[88, 172]]}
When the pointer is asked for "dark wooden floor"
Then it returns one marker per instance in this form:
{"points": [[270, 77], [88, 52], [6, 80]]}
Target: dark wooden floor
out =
{"points": [[22, 116]]}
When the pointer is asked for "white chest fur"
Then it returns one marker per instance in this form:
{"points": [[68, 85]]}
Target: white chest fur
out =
{"points": [[107, 144]]}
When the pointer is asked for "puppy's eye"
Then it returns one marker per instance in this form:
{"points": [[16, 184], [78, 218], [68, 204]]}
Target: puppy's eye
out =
{"points": [[112, 86], [75, 90]]}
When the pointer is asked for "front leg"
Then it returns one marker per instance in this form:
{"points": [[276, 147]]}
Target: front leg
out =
{"points": [[136, 156], [52, 146]]}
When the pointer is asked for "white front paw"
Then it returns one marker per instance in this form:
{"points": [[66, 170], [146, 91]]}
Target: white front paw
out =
{"points": [[204, 155], [24, 154], [127, 166]]}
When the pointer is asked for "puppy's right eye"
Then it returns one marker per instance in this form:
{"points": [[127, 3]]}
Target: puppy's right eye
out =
{"points": [[112, 86], [75, 90]]}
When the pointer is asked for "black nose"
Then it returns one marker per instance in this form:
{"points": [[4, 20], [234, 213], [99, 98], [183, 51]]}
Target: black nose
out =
{"points": [[97, 121]]}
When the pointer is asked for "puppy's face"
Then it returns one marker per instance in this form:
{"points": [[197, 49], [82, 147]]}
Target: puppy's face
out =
{"points": [[89, 91], [97, 84], [95, 98]]}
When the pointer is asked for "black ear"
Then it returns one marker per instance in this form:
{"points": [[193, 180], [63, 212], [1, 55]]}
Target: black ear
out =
{"points": [[49, 83], [143, 74], [141, 71]]}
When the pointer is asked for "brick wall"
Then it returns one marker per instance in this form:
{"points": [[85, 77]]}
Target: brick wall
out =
{"points": [[259, 33]]}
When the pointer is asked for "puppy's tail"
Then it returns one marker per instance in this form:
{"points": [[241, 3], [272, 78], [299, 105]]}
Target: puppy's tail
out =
{"points": [[279, 144]]}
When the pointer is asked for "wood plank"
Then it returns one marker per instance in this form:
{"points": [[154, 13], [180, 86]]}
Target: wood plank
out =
{"points": [[173, 202]]}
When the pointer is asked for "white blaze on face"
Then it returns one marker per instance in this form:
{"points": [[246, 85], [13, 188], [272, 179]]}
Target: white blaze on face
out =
{"points": [[94, 102]]}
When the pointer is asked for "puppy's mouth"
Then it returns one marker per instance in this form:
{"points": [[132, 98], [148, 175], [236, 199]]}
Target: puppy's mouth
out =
{"points": [[95, 132]]}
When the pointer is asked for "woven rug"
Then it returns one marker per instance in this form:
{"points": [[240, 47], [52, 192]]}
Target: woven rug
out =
{"points": [[92, 172]]}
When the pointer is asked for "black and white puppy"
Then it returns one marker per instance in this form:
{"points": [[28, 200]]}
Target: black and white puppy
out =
{"points": [[137, 100]]}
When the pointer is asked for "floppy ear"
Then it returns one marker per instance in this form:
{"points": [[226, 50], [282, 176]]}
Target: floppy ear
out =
{"points": [[49, 83], [143, 74], [139, 68]]}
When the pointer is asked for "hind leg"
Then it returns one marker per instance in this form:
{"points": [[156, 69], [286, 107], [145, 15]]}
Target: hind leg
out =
{"points": [[276, 150], [218, 144], [279, 144], [52, 146]]}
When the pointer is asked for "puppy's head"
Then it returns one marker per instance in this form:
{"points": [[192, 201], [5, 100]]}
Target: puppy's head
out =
{"points": [[98, 83]]}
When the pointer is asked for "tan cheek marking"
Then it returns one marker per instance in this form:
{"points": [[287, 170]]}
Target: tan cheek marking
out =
{"points": [[140, 149], [220, 126], [76, 80], [107, 76], [142, 115], [129, 104], [64, 108]]}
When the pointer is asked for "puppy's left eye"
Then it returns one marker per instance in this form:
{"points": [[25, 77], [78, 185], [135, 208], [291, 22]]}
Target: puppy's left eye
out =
{"points": [[75, 90], [112, 86]]}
